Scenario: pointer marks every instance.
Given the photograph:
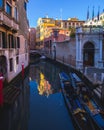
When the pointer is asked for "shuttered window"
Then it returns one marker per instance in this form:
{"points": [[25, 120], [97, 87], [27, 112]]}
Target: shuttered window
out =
{"points": [[11, 41], [18, 42], [4, 40], [1, 3], [11, 64]]}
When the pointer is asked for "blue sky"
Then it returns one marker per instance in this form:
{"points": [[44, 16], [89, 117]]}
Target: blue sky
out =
{"points": [[62, 8]]}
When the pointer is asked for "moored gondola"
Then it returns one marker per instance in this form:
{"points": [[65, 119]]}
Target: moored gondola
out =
{"points": [[92, 108], [76, 109]]}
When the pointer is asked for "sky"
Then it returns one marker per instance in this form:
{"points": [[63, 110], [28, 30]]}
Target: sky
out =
{"points": [[62, 9]]}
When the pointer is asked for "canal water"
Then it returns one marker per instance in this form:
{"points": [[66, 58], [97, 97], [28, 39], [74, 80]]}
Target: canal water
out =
{"points": [[40, 104]]}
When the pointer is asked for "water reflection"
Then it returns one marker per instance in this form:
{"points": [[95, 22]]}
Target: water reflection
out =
{"points": [[47, 113], [33, 110], [44, 86]]}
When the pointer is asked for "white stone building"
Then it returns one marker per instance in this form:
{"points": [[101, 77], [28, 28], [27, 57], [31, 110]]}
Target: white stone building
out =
{"points": [[89, 47]]}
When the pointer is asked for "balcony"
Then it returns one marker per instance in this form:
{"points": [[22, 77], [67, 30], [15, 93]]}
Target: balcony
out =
{"points": [[8, 22]]}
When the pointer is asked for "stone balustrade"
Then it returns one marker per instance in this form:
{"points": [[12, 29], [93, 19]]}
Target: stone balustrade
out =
{"points": [[89, 30]]}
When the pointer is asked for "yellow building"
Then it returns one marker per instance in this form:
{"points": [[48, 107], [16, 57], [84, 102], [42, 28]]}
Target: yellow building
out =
{"points": [[45, 32], [43, 25]]}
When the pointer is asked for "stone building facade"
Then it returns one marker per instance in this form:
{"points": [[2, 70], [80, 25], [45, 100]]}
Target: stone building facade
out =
{"points": [[89, 47], [13, 37], [64, 52]]}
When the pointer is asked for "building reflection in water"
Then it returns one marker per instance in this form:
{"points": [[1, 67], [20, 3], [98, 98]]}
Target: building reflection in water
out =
{"points": [[16, 115], [44, 86], [31, 111]]}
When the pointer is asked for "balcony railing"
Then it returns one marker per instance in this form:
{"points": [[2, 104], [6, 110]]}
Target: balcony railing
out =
{"points": [[9, 22]]}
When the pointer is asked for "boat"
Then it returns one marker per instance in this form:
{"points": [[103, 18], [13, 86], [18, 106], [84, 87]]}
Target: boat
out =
{"points": [[95, 112], [43, 57], [80, 117]]}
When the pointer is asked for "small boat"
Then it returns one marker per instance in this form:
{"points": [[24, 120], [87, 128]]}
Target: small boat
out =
{"points": [[76, 109], [43, 57], [91, 106]]}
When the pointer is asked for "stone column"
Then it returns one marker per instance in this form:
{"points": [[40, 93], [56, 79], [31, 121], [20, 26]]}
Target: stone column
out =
{"points": [[100, 44], [100, 51], [78, 49]]}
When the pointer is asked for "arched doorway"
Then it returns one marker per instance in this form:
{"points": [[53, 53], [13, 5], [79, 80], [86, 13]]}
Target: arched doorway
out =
{"points": [[88, 54]]}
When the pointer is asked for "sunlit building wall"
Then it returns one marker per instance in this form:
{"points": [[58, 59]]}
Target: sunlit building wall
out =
{"points": [[72, 22], [42, 26]]}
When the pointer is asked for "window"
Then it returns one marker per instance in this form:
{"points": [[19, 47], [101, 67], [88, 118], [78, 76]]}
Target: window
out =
{"points": [[8, 9], [4, 44], [18, 42], [11, 64], [55, 33], [15, 13], [17, 60], [65, 25], [25, 6], [11, 41], [1, 3]]}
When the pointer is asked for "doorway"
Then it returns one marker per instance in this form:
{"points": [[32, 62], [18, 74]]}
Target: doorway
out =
{"points": [[3, 65], [88, 54]]}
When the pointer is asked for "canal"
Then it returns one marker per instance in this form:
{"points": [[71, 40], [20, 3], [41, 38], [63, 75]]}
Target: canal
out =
{"points": [[40, 104]]}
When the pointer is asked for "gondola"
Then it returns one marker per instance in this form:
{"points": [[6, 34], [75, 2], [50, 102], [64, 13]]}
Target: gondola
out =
{"points": [[91, 106], [80, 117]]}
